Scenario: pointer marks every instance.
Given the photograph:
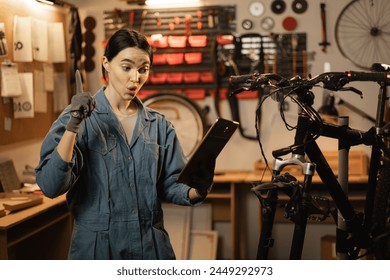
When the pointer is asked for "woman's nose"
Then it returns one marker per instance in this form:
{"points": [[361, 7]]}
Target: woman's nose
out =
{"points": [[134, 76]]}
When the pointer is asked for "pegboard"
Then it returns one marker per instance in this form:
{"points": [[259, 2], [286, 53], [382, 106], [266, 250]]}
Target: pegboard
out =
{"points": [[284, 54], [271, 53], [187, 68], [17, 130]]}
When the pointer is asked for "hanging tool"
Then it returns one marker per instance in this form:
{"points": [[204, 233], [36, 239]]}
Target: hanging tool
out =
{"points": [[131, 18], [324, 42], [294, 47], [199, 14], [187, 23], [210, 19], [143, 17], [158, 19], [304, 64]]}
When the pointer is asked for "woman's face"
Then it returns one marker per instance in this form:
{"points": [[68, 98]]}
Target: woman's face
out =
{"points": [[127, 72]]}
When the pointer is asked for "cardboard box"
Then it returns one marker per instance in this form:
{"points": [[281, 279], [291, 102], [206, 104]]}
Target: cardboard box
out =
{"points": [[328, 247]]}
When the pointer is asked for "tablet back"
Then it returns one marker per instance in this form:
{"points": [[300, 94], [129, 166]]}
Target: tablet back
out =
{"points": [[211, 146]]}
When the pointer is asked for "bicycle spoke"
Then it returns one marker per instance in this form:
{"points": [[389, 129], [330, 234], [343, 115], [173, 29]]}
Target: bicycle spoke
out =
{"points": [[362, 32]]}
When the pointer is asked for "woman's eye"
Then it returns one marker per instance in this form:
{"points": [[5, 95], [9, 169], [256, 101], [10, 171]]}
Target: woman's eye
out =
{"points": [[126, 68], [143, 70]]}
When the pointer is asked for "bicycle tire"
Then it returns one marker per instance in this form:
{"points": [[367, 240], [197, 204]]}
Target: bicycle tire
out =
{"points": [[188, 118], [362, 32], [381, 213]]}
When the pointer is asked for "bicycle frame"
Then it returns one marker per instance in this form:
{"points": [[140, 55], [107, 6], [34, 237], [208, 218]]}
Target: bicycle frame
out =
{"points": [[358, 227]]}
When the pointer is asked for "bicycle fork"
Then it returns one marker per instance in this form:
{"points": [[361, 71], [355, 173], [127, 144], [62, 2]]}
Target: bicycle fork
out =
{"points": [[297, 209]]}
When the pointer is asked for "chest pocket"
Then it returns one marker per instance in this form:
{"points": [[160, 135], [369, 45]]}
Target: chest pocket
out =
{"points": [[103, 146], [101, 143]]}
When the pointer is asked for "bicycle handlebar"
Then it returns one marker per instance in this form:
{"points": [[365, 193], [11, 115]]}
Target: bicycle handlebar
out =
{"points": [[369, 76], [331, 80]]}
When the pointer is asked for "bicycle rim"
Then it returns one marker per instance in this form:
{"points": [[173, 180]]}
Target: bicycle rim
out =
{"points": [[363, 32], [185, 115], [381, 213]]}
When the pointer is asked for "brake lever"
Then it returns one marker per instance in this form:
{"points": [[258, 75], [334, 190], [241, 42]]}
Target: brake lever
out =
{"points": [[353, 89], [238, 90]]}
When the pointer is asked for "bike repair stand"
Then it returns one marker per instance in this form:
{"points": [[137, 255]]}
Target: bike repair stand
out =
{"points": [[342, 230]]}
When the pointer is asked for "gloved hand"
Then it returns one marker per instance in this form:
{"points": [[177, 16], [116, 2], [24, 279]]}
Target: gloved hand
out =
{"points": [[81, 107], [203, 178]]}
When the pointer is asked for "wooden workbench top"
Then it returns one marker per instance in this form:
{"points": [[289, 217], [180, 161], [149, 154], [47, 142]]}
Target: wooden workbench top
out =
{"points": [[255, 176], [22, 215]]}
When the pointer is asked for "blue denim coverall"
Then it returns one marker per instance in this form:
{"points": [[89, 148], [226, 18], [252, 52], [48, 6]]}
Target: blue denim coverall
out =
{"points": [[115, 190]]}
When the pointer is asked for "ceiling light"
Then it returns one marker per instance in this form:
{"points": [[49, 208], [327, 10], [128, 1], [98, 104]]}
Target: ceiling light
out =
{"points": [[174, 3], [48, 2]]}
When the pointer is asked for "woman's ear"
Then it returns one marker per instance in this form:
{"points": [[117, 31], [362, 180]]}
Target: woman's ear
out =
{"points": [[106, 64]]}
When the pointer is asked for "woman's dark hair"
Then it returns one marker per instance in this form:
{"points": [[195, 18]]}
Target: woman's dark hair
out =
{"points": [[125, 38]]}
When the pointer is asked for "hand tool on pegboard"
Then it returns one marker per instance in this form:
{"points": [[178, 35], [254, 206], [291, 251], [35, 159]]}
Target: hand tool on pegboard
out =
{"points": [[324, 43], [294, 48]]}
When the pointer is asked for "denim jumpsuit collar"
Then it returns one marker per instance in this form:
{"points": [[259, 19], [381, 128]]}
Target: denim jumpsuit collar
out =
{"points": [[104, 107]]}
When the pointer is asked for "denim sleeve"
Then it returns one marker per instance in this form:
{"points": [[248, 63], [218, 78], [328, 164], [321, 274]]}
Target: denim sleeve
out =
{"points": [[54, 175], [174, 161]]}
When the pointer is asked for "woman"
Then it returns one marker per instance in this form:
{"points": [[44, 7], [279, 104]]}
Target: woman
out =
{"points": [[117, 160]]}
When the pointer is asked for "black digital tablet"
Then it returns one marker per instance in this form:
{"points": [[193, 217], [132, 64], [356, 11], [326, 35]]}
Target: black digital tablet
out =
{"points": [[210, 146]]}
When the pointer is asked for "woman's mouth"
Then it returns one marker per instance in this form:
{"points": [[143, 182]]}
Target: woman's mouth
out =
{"points": [[132, 90]]}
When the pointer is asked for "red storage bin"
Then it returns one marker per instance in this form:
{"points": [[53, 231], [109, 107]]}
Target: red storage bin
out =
{"points": [[175, 58], [223, 93], [160, 42], [207, 77], [191, 77], [248, 95], [197, 41], [175, 78], [193, 58], [159, 58], [177, 41], [145, 93], [225, 39], [195, 93], [158, 78]]}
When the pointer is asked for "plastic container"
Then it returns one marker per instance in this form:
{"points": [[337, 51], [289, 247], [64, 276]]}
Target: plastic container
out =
{"points": [[193, 58], [191, 77], [225, 39], [177, 41], [207, 77], [175, 58], [158, 42], [158, 78], [159, 58], [145, 93], [195, 93], [197, 41], [175, 77]]}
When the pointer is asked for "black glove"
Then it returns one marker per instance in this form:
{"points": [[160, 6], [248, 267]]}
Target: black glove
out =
{"points": [[81, 107], [204, 177]]}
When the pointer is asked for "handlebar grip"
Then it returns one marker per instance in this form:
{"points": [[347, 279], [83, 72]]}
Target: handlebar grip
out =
{"points": [[369, 76], [380, 67], [233, 80]]}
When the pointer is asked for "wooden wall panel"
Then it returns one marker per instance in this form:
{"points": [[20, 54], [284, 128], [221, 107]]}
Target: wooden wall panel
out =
{"points": [[29, 128]]}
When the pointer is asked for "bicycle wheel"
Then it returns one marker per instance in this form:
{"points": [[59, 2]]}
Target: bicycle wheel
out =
{"points": [[363, 32], [186, 116], [381, 213]]}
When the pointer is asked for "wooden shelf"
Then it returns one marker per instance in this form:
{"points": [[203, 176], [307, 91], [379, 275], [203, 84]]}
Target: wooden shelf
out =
{"points": [[47, 225]]}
